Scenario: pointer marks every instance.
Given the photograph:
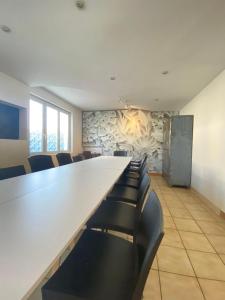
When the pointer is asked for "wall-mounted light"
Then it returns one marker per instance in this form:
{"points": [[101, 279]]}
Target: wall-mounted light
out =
{"points": [[5, 29], [80, 4]]}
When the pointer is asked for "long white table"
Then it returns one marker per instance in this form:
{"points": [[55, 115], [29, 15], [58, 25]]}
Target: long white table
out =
{"points": [[41, 213]]}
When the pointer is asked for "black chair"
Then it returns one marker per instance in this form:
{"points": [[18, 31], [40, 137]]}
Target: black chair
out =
{"points": [[10, 172], [64, 158], [132, 182], [128, 194], [78, 157], [40, 162], [137, 163], [137, 167], [119, 216], [120, 153], [106, 267], [87, 154], [134, 173]]}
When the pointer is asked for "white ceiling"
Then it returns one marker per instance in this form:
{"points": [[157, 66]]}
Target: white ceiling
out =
{"points": [[73, 53]]}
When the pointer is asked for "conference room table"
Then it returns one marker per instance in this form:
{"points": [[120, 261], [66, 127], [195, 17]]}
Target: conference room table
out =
{"points": [[41, 213]]}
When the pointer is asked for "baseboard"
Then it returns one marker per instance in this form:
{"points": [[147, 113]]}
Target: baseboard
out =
{"points": [[211, 205], [155, 174]]}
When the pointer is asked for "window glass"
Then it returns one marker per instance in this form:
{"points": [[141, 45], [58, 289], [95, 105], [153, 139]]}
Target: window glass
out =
{"points": [[52, 129], [36, 126], [64, 132], [49, 128]]}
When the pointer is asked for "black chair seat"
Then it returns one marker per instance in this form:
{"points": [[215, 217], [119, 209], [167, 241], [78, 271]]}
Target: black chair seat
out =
{"points": [[64, 159], [123, 193], [40, 162], [100, 267], [10, 172], [133, 168], [134, 175], [135, 163], [116, 216], [78, 157], [131, 182]]}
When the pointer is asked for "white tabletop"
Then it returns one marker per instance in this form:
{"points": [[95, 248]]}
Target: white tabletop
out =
{"points": [[40, 213]]}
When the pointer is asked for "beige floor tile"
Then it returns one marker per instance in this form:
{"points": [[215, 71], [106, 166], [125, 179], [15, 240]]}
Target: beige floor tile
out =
{"points": [[166, 212], [152, 287], [218, 242], [155, 264], [168, 223], [182, 191], [172, 238], [187, 225], [211, 227], [174, 260], [184, 194], [196, 241], [159, 194], [175, 204], [166, 189], [207, 265], [213, 290], [194, 207], [189, 200], [222, 256], [202, 215], [170, 197], [178, 287], [180, 213], [219, 219]]}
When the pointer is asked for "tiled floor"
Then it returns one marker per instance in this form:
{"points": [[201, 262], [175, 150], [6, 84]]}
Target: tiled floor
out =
{"points": [[190, 264]]}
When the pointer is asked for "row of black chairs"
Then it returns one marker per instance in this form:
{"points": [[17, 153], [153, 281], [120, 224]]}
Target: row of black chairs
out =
{"points": [[44, 162], [103, 266], [38, 163]]}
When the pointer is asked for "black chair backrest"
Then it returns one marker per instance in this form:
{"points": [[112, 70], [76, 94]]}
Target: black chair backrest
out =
{"points": [[87, 154], [64, 159], [10, 172], [147, 240], [144, 161], [78, 157], [120, 153], [142, 191], [40, 162], [144, 171]]}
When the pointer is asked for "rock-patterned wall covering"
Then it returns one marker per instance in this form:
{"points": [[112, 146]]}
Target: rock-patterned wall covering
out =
{"points": [[136, 131]]}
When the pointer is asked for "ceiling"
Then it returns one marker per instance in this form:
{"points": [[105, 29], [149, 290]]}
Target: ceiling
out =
{"points": [[73, 53]]}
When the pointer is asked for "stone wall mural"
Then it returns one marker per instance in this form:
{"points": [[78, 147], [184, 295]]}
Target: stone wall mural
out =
{"points": [[136, 131]]}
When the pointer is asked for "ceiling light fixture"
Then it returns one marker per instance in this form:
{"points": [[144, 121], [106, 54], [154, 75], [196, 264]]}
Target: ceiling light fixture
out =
{"points": [[80, 4], [5, 29], [156, 100], [112, 78], [165, 72]]}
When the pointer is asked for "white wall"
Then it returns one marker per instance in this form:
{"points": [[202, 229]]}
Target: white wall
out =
{"points": [[13, 152], [208, 174]]}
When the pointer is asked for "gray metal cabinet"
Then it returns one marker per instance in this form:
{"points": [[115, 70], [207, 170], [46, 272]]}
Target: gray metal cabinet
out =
{"points": [[177, 150]]}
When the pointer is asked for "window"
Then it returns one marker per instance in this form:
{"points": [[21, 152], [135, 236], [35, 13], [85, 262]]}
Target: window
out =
{"points": [[49, 128]]}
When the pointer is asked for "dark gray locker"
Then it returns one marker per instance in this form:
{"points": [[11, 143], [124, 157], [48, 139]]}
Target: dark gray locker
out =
{"points": [[177, 150]]}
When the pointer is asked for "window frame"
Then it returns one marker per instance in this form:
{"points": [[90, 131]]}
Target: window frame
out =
{"points": [[44, 126]]}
